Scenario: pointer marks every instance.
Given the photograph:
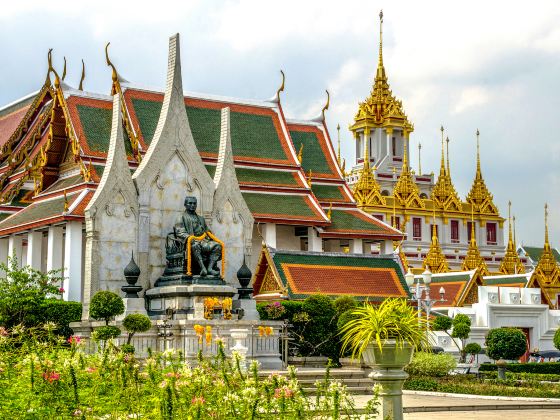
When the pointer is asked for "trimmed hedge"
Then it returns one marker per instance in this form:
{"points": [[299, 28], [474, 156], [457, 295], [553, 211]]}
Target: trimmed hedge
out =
{"points": [[546, 367], [62, 313], [292, 307]]}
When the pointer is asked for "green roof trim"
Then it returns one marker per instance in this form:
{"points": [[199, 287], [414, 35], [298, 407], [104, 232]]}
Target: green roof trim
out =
{"points": [[535, 253], [147, 113], [346, 220], [499, 280], [37, 211], [260, 176], [251, 135], [313, 157], [96, 123], [328, 192], [289, 206]]}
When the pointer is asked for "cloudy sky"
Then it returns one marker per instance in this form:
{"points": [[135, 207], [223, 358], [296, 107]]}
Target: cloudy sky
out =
{"points": [[478, 64]]}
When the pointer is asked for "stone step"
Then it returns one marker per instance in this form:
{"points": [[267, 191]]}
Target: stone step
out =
{"points": [[355, 390], [346, 381]]}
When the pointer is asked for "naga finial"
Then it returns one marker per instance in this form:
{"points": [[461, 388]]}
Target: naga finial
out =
{"points": [[326, 107], [281, 88], [81, 86], [300, 153], [64, 69], [116, 86]]}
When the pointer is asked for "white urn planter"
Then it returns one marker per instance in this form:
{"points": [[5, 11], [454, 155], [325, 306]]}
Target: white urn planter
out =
{"points": [[239, 335], [388, 371]]}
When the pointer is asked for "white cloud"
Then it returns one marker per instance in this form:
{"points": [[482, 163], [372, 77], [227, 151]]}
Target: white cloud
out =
{"points": [[469, 97]]}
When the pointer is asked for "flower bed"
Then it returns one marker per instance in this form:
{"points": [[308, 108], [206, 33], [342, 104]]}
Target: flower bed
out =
{"points": [[43, 376]]}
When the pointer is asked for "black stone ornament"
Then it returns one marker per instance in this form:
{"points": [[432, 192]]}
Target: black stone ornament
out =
{"points": [[131, 274], [244, 277]]}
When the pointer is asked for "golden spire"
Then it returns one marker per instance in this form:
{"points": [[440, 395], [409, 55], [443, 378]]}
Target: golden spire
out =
{"points": [[419, 159], [338, 151], [381, 108], [366, 191], [444, 193], [547, 272], [473, 259], [511, 264], [435, 260], [479, 196], [81, 86], [406, 190], [448, 170], [514, 239]]}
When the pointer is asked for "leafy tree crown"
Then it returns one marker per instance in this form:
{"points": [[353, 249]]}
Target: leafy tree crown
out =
{"points": [[134, 323], [105, 305], [505, 343]]}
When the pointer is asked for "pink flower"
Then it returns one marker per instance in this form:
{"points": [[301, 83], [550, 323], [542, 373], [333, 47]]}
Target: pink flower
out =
{"points": [[61, 289], [285, 392], [51, 376], [172, 375], [198, 400], [77, 413], [74, 339], [3, 332], [90, 369]]}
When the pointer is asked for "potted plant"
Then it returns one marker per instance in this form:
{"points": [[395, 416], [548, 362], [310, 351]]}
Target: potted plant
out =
{"points": [[386, 336]]}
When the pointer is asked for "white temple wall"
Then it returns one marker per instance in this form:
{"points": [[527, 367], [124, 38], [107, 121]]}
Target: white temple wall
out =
{"points": [[286, 238]]}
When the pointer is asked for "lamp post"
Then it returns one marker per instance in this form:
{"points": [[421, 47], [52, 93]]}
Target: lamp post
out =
{"points": [[420, 290]]}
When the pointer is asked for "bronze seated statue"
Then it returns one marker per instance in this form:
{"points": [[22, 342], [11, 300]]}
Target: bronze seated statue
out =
{"points": [[192, 250]]}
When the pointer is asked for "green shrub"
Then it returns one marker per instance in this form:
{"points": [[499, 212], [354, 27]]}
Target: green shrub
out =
{"points": [[541, 368], [462, 319], [429, 364], [473, 348], [106, 332], [421, 384], [461, 330], [556, 339], [62, 313], [344, 318], [135, 323], [127, 348], [292, 307], [23, 291], [505, 343], [318, 335], [105, 305], [442, 323], [344, 303]]}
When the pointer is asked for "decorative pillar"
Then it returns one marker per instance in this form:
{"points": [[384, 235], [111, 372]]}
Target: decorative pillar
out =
{"points": [[15, 248], [54, 248], [34, 245], [269, 234], [314, 242], [386, 247], [73, 262], [356, 246]]}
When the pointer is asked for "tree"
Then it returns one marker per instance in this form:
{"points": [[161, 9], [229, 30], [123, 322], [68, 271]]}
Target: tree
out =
{"points": [[135, 323], [556, 339], [461, 330], [105, 305], [344, 303], [444, 323], [505, 343], [23, 292]]}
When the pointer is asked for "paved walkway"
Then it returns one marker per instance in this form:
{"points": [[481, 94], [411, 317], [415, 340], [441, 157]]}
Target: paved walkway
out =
{"points": [[427, 405]]}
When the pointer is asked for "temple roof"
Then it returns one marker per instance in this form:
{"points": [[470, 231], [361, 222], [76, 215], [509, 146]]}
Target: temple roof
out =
{"points": [[460, 287], [75, 126], [298, 274], [508, 280], [534, 253]]}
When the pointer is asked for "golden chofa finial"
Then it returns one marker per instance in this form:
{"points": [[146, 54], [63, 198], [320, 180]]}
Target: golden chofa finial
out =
{"points": [[116, 85], [300, 154], [81, 86], [51, 69], [64, 69], [338, 150], [66, 205], [309, 178], [329, 213], [326, 107], [281, 88]]}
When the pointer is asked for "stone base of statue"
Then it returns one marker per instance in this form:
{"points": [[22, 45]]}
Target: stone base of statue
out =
{"points": [[247, 309], [187, 300], [133, 306]]}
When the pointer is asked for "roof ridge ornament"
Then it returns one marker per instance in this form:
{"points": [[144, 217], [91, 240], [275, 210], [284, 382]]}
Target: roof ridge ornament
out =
{"points": [[64, 70], [81, 86], [116, 87]]}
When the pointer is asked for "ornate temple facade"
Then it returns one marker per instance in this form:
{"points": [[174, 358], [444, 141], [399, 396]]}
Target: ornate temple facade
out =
{"points": [[443, 231], [87, 179]]}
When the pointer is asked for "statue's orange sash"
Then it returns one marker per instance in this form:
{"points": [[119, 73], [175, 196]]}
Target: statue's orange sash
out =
{"points": [[200, 238]]}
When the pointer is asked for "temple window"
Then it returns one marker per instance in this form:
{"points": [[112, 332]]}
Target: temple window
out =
{"points": [[491, 233], [469, 229], [394, 145], [416, 229], [454, 231]]}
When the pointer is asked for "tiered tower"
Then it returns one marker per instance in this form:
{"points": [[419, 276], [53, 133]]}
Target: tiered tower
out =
{"points": [[466, 231]]}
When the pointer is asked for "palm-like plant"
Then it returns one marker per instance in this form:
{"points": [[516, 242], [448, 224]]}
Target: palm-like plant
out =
{"points": [[393, 319]]}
